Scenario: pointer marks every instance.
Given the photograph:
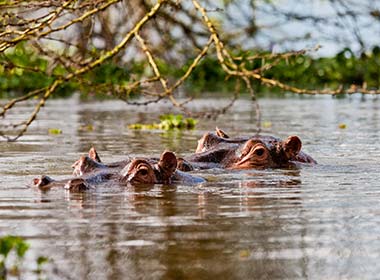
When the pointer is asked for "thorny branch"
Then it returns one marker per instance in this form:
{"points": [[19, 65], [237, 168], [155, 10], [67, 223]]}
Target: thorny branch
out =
{"points": [[56, 21]]}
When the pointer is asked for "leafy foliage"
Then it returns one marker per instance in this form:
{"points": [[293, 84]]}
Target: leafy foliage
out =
{"points": [[13, 244], [104, 49], [343, 69], [22, 70], [168, 122], [9, 243]]}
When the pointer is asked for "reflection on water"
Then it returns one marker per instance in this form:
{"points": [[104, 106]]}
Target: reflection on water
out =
{"points": [[307, 222]]}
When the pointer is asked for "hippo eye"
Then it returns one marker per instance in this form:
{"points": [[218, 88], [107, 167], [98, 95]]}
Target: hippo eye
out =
{"points": [[260, 151], [143, 172]]}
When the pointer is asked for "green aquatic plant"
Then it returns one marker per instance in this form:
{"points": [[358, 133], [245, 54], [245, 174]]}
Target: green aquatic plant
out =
{"points": [[167, 122], [9, 244], [54, 131], [41, 260], [12, 253]]}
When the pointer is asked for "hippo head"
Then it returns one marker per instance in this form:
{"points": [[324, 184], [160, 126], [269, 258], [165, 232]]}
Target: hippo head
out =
{"points": [[257, 153], [42, 181], [246, 152], [141, 171]]}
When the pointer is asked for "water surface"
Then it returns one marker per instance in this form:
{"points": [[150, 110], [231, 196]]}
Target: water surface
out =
{"points": [[320, 222]]}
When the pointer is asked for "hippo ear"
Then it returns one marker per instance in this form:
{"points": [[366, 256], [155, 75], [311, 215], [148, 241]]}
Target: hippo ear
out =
{"points": [[92, 154], [202, 143], [292, 146], [221, 133], [168, 161], [79, 166], [84, 165], [167, 165]]}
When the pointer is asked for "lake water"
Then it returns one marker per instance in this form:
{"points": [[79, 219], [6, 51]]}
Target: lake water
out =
{"points": [[315, 222]]}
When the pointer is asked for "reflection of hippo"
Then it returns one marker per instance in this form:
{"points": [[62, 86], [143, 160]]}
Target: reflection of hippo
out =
{"points": [[219, 150], [138, 171]]}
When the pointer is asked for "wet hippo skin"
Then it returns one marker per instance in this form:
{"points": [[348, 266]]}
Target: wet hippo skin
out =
{"points": [[218, 150], [89, 171]]}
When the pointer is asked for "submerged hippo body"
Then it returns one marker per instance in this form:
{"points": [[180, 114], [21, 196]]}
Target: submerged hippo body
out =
{"points": [[220, 151], [89, 171]]}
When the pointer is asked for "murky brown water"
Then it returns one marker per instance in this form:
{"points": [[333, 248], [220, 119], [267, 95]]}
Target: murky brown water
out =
{"points": [[319, 222]]}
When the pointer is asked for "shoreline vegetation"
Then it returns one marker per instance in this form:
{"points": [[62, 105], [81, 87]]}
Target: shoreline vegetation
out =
{"points": [[144, 51], [24, 70]]}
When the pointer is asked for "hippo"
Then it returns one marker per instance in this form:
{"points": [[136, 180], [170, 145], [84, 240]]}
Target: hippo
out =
{"points": [[89, 171], [218, 150], [165, 167]]}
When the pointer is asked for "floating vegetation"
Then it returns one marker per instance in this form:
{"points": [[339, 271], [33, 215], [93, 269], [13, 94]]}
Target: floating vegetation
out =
{"points": [[12, 252], [54, 131], [267, 124], [87, 128], [342, 126], [167, 122]]}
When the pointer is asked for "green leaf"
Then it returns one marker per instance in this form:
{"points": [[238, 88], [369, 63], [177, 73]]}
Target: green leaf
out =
{"points": [[6, 245], [21, 248]]}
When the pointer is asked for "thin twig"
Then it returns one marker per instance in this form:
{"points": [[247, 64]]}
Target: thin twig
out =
{"points": [[49, 90]]}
